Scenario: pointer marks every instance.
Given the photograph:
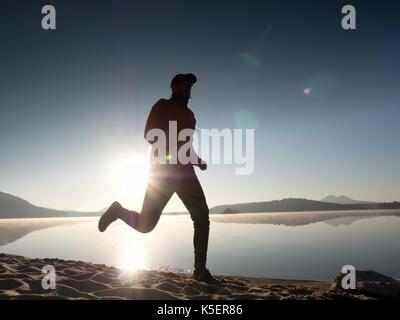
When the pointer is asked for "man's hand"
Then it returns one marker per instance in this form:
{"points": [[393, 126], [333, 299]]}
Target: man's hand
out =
{"points": [[202, 165]]}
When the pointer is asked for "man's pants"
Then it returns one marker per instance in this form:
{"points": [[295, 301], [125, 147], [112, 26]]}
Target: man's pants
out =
{"points": [[164, 181]]}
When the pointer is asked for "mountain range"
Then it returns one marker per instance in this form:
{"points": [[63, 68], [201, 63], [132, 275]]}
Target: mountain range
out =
{"points": [[15, 207], [342, 200]]}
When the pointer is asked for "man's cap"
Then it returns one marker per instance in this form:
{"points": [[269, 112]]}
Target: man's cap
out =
{"points": [[189, 77]]}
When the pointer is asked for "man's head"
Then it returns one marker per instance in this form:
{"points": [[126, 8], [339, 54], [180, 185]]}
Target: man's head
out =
{"points": [[182, 84]]}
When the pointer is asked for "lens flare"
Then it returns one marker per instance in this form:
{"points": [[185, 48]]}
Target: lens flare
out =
{"points": [[250, 58], [307, 91]]}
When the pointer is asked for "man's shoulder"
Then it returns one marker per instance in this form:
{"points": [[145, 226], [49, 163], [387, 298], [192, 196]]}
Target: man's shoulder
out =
{"points": [[161, 103], [162, 100]]}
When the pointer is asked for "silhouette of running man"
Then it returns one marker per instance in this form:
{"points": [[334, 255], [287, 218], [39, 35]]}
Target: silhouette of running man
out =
{"points": [[167, 178]]}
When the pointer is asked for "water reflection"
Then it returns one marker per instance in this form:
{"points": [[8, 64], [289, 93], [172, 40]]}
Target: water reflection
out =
{"points": [[13, 229], [316, 251], [132, 255], [333, 218]]}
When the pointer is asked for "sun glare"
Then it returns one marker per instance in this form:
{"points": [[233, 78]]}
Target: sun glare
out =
{"points": [[132, 260], [131, 254], [127, 175]]}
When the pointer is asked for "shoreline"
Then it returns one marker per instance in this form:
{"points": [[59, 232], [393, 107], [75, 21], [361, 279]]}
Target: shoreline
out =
{"points": [[21, 278], [390, 211]]}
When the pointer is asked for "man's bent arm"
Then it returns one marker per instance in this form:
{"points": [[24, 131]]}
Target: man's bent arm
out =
{"points": [[154, 121]]}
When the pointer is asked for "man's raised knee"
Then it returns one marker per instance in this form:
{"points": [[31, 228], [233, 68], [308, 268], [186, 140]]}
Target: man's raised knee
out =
{"points": [[146, 228]]}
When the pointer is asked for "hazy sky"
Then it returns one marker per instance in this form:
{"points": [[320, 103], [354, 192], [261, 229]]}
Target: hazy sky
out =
{"points": [[73, 102]]}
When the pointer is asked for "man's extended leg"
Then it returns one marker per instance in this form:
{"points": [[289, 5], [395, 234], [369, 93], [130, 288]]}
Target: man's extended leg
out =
{"points": [[192, 195], [159, 191]]}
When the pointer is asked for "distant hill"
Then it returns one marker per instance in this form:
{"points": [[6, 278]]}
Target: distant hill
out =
{"points": [[342, 200], [297, 204], [13, 207], [294, 205]]}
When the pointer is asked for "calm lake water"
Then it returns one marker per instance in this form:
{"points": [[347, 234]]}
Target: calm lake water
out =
{"points": [[317, 250]]}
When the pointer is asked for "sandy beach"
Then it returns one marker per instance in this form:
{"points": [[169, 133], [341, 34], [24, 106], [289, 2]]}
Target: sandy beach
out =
{"points": [[21, 278]]}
